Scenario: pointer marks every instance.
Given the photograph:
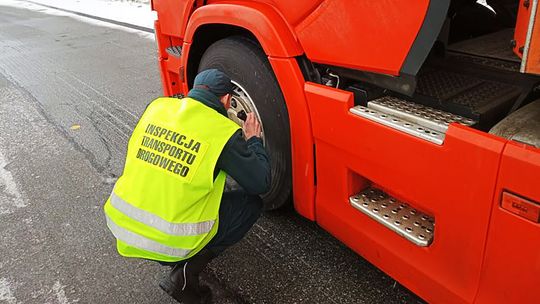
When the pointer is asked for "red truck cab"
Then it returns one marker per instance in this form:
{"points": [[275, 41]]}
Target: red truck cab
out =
{"points": [[410, 130]]}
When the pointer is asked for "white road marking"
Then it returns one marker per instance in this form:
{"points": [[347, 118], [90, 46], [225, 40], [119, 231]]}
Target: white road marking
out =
{"points": [[5, 292], [60, 293], [10, 196]]}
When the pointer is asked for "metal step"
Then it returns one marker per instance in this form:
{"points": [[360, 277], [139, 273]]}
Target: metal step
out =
{"points": [[495, 45], [400, 124], [175, 51], [442, 84], [179, 96], [399, 217], [419, 114], [470, 89]]}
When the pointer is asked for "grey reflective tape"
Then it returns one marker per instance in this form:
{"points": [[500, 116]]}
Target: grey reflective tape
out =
{"points": [[141, 242], [152, 220]]}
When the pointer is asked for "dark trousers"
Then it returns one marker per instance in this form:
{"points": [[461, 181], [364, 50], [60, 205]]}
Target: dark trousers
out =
{"points": [[237, 214]]}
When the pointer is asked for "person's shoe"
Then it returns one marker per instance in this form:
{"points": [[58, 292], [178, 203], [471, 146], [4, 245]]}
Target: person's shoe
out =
{"points": [[176, 285], [183, 282]]}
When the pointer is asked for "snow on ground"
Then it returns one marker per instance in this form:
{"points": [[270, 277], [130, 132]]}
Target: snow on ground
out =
{"points": [[129, 12], [136, 12]]}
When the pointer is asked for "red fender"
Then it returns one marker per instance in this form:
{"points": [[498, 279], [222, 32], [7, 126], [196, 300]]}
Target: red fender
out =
{"points": [[279, 43], [292, 82], [263, 21]]}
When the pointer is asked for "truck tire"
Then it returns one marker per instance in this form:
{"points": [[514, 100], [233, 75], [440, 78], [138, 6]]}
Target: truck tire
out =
{"points": [[246, 64]]}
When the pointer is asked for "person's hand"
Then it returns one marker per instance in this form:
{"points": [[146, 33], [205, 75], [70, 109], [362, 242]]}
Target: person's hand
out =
{"points": [[251, 126]]}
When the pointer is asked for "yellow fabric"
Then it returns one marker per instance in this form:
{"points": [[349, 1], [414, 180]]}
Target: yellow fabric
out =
{"points": [[168, 172]]}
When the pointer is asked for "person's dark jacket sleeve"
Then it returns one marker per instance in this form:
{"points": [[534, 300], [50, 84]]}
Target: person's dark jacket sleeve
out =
{"points": [[247, 163]]}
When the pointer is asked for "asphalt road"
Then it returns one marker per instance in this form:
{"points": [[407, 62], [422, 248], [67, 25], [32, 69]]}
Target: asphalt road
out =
{"points": [[70, 93]]}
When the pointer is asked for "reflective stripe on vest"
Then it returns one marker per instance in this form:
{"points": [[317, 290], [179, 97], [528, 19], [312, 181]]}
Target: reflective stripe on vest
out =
{"points": [[138, 241], [154, 221], [165, 206]]}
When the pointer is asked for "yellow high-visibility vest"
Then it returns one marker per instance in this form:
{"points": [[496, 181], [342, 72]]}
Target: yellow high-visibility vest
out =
{"points": [[165, 206]]}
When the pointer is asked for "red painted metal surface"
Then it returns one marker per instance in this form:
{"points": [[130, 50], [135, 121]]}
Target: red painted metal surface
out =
{"points": [[262, 20], [291, 82], [294, 14], [161, 57], [521, 206], [186, 46], [511, 272], [169, 67], [454, 183], [532, 65], [522, 25], [173, 15], [368, 35], [460, 183], [269, 27]]}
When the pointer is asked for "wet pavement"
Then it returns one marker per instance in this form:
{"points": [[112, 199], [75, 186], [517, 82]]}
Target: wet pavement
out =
{"points": [[70, 94]]}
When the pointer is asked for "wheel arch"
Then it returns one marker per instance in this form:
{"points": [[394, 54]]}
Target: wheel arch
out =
{"points": [[258, 20], [203, 38], [264, 26]]}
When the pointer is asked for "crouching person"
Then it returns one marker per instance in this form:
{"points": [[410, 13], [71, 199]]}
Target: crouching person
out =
{"points": [[169, 204]]}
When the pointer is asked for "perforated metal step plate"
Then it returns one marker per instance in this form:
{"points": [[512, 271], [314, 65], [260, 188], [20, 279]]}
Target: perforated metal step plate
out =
{"points": [[400, 124], [179, 96], [399, 217], [419, 114], [496, 45], [442, 84], [175, 51], [510, 66], [470, 90]]}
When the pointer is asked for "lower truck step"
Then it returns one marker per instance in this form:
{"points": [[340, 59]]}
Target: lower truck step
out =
{"points": [[411, 118], [398, 216]]}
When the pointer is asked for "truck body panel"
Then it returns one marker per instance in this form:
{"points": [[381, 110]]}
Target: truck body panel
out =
{"points": [[174, 16], [263, 21], [291, 81], [531, 52], [481, 252], [512, 261], [457, 191], [294, 14], [379, 33]]}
